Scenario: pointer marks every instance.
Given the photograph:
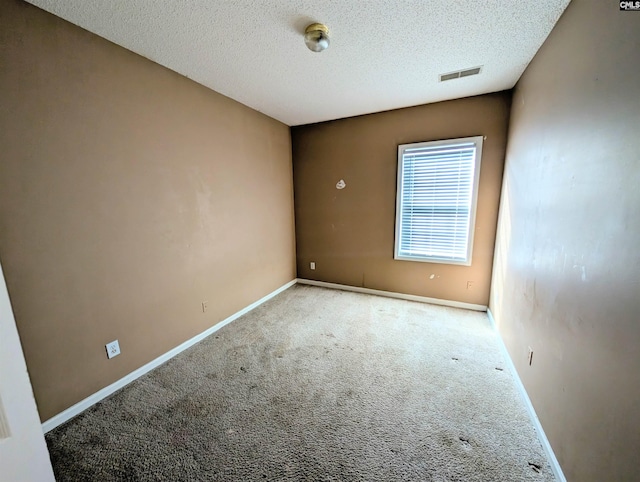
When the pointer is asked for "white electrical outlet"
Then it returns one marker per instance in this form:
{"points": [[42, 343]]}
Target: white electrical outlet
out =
{"points": [[312, 265], [113, 349]]}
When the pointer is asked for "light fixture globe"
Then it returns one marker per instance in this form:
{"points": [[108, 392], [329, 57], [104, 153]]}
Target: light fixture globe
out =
{"points": [[316, 37]]}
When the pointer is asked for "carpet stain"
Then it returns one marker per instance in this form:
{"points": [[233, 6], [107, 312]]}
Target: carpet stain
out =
{"points": [[536, 467]]}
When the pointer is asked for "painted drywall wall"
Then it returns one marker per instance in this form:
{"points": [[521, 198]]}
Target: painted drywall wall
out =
{"points": [[23, 451], [128, 196], [566, 276], [349, 233]]}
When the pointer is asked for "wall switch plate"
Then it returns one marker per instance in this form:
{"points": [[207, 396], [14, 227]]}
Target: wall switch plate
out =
{"points": [[312, 265], [113, 349], [205, 306]]}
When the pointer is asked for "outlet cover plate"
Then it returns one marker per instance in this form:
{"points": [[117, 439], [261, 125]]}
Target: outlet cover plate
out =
{"points": [[113, 349]]}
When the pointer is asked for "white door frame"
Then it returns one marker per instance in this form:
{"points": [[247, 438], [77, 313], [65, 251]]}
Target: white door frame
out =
{"points": [[23, 451]]}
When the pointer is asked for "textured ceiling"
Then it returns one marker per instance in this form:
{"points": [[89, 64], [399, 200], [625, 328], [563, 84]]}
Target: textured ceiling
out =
{"points": [[384, 54]]}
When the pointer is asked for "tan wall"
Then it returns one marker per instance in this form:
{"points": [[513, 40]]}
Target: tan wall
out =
{"points": [[349, 233], [567, 265], [128, 195]]}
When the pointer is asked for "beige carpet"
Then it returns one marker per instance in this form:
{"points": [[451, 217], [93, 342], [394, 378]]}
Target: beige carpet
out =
{"points": [[317, 385]]}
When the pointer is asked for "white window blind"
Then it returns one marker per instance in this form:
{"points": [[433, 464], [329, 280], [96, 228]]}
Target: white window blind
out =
{"points": [[437, 193]]}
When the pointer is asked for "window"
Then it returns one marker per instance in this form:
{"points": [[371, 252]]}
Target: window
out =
{"points": [[436, 203]]}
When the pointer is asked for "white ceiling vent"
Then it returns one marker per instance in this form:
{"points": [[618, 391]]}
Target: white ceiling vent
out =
{"points": [[460, 73]]}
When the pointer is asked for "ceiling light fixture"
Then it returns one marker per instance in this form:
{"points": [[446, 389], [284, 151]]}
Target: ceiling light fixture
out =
{"points": [[316, 36]]}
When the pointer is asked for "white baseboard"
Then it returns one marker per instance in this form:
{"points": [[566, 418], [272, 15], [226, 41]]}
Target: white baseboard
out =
{"points": [[391, 294], [79, 407], [105, 392], [91, 400], [553, 461]]}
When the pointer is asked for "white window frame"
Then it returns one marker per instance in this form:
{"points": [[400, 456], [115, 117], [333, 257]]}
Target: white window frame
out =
{"points": [[477, 141]]}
